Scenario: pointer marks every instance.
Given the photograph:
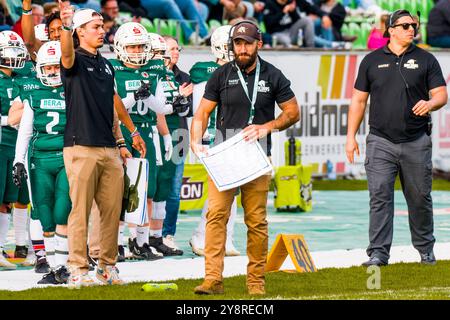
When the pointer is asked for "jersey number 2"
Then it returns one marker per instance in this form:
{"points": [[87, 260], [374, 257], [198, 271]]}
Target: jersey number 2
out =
{"points": [[54, 122]]}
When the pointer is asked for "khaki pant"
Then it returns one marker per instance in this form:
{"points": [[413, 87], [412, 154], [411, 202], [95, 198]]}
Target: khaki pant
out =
{"points": [[94, 233], [93, 173], [254, 200]]}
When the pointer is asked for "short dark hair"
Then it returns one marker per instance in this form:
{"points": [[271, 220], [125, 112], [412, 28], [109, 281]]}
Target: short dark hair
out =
{"points": [[50, 18], [103, 2]]}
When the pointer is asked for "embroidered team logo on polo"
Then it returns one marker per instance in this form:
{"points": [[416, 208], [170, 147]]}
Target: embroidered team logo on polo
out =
{"points": [[386, 65], [411, 64], [262, 86], [233, 82], [108, 70]]}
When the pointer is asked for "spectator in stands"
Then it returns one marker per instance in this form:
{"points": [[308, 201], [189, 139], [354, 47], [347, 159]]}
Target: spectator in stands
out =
{"points": [[134, 7], [328, 29], [90, 4], [283, 22], [49, 8], [108, 25], [233, 9], [376, 37], [6, 21], [181, 10], [438, 27], [111, 9], [37, 11], [368, 6]]}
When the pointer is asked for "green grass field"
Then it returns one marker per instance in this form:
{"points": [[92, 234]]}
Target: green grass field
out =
{"points": [[397, 281]]}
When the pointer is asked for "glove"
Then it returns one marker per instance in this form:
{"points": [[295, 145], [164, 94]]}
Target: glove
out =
{"points": [[168, 146], [19, 172], [180, 105], [143, 92]]}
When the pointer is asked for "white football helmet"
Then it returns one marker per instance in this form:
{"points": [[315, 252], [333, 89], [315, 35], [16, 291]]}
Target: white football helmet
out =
{"points": [[159, 47], [49, 54], [132, 33], [13, 52], [219, 43], [41, 32]]}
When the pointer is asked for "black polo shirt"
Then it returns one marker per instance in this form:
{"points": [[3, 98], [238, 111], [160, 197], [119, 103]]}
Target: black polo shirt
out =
{"points": [[234, 106], [396, 84], [89, 95]]}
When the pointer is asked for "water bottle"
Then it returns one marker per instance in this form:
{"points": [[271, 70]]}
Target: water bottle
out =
{"points": [[300, 38], [159, 287]]}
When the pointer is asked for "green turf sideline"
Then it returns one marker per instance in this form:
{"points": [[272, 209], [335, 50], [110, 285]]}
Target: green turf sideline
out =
{"points": [[354, 185], [397, 281]]}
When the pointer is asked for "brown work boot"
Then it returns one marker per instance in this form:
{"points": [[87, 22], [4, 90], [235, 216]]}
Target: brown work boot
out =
{"points": [[256, 289], [209, 287]]}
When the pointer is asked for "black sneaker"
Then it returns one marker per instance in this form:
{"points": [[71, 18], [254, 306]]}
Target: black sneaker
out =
{"points": [[62, 274], [49, 278], [374, 261], [21, 252], [41, 265], [158, 244], [92, 263], [137, 252], [121, 254], [428, 258], [150, 255]]}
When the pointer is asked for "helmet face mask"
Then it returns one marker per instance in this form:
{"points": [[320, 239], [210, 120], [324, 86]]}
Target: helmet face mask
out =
{"points": [[13, 52], [219, 43], [132, 34], [159, 48], [49, 55]]}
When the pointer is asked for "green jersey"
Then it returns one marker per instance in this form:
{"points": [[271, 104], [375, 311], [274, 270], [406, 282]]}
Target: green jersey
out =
{"points": [[8, 135], [202, 71], [49, 108], [128, 80], [171, 90]]}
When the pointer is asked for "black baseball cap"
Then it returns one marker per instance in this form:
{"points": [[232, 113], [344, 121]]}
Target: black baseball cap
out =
{"points": [[393, 18], [246, 30]]}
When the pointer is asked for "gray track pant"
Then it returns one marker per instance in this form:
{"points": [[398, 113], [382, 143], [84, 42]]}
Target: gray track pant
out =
{"points": [[412, 161]]}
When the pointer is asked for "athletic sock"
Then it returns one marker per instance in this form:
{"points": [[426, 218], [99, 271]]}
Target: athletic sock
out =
{"points": [[61, 249], [4, 227], [156, 233], [132, 230], [37, 238], [20, 220], [141, 235], [49, 243]]}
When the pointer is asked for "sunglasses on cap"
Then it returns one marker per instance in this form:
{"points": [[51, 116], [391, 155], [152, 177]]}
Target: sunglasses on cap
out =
{"points": [[406, 26]]}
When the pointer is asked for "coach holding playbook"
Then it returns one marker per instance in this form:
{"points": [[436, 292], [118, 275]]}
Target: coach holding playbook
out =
{"points": [[245, 92], [405, 84], [91, 157]]}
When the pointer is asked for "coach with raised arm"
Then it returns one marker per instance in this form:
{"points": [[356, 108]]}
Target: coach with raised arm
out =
{"points": [[245, 91], [91, 157], [405, 84]]}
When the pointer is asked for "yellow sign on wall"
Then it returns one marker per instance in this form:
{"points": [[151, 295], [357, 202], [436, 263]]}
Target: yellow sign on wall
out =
{"points": [[294, 246], [194, 188]]}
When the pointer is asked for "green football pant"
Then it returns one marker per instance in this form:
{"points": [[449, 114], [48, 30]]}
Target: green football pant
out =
{"points": [[50, 192], [9, 192], [165, 175]]}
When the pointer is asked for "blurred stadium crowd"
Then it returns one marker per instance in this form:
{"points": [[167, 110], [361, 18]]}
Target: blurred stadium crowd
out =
{"points": [[337, 24]]}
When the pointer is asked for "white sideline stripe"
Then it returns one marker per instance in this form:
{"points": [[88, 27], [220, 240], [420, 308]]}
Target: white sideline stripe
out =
{"points": [[193, 268]]}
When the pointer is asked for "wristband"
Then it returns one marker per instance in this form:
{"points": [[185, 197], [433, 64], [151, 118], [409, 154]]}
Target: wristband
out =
{"points": [[26, 12], [135, 133], [67, 28], [120, 141], [121, 145]]}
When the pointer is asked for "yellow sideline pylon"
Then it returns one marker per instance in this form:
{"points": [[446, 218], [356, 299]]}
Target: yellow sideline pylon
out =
{"points": [[294, 246]]}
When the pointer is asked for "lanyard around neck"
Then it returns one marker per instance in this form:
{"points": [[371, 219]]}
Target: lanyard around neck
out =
{"points": [[255, 90]]}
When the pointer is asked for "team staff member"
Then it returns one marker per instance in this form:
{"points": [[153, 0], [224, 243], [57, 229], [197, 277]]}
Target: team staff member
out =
{"points": [[400, 79], [92, 162], [248, 104]]}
